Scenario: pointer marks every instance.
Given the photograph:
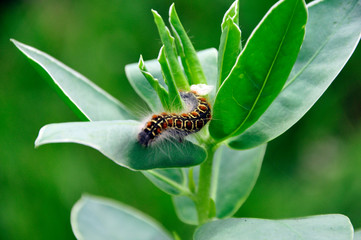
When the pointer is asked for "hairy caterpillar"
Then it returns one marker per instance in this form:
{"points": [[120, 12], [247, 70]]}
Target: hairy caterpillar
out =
{"points": [[181, 125]]}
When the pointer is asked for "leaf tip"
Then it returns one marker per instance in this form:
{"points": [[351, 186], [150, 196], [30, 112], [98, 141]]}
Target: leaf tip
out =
{"points": [[141, 62], [158, 20], [172, 11], [16, 43], [38, 141], [161, 54], [155, 13]]}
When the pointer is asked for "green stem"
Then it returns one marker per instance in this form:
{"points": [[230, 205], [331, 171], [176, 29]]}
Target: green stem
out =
{"points": [[204, 185]]}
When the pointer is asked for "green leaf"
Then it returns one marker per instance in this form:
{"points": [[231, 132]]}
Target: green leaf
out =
{"points": [[332, 34], [232, 13], [141, 85], [208, 59], [96, 105], [159, 89], [85, 98], [230, 45], [176, 236], [185, 209], [234, 175], [118, 141], [167, 40], [322, 227], [174, 98], [187, 52], [171, 181], [94, 218], [261, 70], [357, 235]]}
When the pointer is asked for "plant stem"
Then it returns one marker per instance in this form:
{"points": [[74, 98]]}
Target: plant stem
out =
{"points": [[204, 185]]}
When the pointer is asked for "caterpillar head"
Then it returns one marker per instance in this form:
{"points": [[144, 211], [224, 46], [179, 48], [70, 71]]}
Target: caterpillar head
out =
{"points": [[144, 138]]}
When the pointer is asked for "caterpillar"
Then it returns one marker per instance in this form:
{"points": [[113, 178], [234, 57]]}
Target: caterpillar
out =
{"points": [[179, 124]]}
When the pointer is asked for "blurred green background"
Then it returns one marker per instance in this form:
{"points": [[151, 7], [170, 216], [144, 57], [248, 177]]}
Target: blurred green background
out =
{"points": [[314, 168]]}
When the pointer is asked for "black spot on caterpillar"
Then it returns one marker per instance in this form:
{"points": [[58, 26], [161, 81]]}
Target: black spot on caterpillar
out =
{"points": [[179, 124]]}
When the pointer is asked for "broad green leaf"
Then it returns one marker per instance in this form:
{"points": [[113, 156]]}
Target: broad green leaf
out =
{"points": [[234, 175], [187, 52], [85, 98], [322, 227], [185, 209], [332, 34], [90, 101], [94, 218], [167, 40], [261, 69], [158, 88], [357, 235], [171, 181], [208, 59], [230, 44], [118, 141]]}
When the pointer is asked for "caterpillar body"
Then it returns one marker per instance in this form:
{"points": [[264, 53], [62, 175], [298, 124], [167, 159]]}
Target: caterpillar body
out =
{"points": [[179, 125]]}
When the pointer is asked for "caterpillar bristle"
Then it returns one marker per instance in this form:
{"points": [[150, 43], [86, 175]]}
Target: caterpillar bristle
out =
{"points": [[178, 125]]}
